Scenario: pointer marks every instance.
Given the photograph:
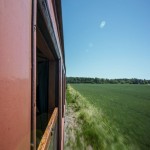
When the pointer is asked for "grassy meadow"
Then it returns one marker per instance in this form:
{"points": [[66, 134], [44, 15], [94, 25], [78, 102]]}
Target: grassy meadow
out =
{"points": [[114, 116]]}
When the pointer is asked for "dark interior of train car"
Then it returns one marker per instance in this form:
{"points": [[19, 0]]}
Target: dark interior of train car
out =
{"points": [[41, 95], [46, 78]]}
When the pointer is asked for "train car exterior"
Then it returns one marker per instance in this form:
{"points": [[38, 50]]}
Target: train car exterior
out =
{"points": [[32, 75]]}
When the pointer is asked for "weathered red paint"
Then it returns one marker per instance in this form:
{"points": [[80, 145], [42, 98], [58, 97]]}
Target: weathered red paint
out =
{"points": [[33, 75], [62, 141], [15, 74], [60, 106]]}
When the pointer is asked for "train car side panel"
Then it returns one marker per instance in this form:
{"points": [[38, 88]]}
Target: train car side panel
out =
{"points": [[15, 74]]}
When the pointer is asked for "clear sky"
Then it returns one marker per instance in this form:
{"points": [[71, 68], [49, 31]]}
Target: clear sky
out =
{"points": [[107, 38]]}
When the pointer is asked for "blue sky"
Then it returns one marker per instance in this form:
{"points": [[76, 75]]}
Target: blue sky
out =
{"points": [[107, 38]]}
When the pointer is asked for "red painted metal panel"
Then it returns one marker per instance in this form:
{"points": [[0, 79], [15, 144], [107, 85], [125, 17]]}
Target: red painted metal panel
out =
{"points": [[33, 78], [62, 141], [15, 74], [60, 105]]}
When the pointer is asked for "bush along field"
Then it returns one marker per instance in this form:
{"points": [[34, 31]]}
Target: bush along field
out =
{"points": [[87, 127]]}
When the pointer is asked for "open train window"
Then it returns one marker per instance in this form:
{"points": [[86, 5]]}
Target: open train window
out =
{"points": [[42, 75], [46, 77], [45, 81]]}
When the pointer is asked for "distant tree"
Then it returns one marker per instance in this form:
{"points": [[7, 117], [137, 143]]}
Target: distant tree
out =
{"points": [[106, 81], [96, 80]]}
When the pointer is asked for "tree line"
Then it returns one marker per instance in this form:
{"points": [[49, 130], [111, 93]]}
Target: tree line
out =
{"points": [[106, 81]]}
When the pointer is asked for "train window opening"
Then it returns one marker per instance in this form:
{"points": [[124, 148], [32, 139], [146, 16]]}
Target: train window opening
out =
{"points": [[46, 67], [46, 84], [42, 75]]}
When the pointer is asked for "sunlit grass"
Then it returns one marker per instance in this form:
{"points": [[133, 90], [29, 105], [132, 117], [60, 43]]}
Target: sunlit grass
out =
{"points": [[126, 106], [94, 129]]}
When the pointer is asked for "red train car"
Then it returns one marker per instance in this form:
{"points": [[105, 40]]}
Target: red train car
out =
{"points": [[32, 75]]}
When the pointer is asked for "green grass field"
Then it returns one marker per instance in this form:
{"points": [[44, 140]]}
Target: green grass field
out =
{"points": [[127, 107]]}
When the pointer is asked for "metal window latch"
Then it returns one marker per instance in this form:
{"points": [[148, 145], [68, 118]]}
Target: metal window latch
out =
{"points": [[34, 27]]}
